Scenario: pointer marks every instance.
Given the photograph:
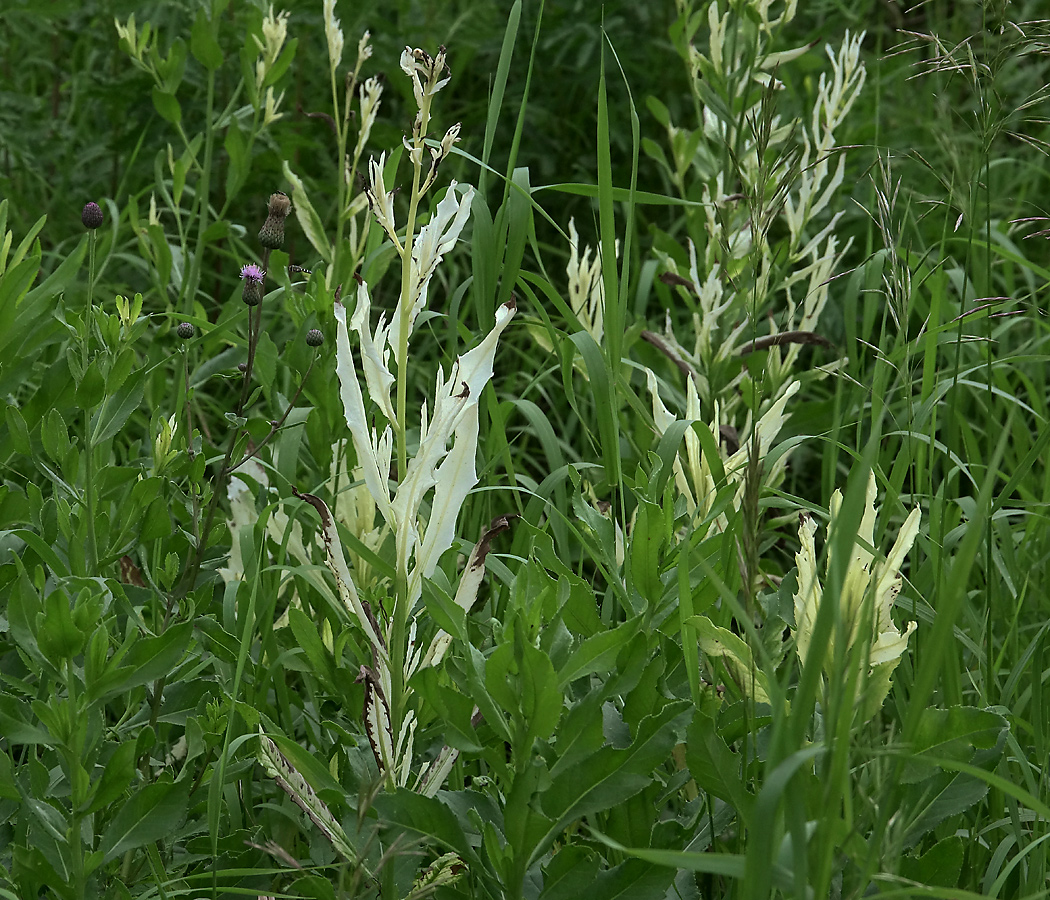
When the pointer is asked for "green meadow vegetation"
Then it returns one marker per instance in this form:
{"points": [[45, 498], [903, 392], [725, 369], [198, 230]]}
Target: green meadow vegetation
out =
{"points": [[524, 449]]}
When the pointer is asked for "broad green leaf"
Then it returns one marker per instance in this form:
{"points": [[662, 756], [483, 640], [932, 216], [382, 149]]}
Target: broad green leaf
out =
{"points": [[167, 106], [266, 361], [148, 660], [940, 866], [954, 733], [203, 45], [152, 813], [118, 774], [55, 436], [950, 796], [307, 216], [598, 653], [117, 408], [570, 873], [240, 162], [17, 431], [634, 879], [611, 775], [715, 767]]}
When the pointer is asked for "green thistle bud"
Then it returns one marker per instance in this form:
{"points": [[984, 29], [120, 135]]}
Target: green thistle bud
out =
{"points": [[271, 235], [91, 215], [314, 337], [185, 331]]}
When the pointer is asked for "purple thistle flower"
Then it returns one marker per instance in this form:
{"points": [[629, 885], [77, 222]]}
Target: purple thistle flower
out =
{"points": [[252, 274]]}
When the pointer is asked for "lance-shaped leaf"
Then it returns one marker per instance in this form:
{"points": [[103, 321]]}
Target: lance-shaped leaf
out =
{"points": [[344, 582], [373, 455], [289, 779], [375, 351], [455, 403], [309, 221], [467, 592], [735, 653], [377, 722], [434, 240], [433, 776]]}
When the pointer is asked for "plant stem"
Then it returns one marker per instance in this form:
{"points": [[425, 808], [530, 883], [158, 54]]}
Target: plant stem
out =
{"points": [[204, 189], [399, 619], [89, 450], [403, 326], [77, 788], [189, 576]]}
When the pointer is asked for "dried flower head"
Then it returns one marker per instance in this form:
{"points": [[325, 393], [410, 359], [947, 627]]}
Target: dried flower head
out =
{"points": [[92, 215], [271, 235]]}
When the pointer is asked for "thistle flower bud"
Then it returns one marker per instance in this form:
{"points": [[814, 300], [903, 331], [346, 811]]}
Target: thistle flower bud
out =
{"points": [[271, 235], [314, 337], [92, 215], [185, 331]]}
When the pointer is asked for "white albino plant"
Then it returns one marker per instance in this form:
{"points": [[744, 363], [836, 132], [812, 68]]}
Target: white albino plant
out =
{"points": [[422, 511], [344, 254], [693, 473], [753, 169], [868, 594]]}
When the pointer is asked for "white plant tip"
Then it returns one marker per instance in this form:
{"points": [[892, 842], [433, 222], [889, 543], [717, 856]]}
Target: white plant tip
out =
{"points": [[434, 240], [364, 47], [333, 34], [275, 32], [369, 94], [270, 113], [373, 453], [452, 473], [866, 601], [380, 199], [425, 71], [586, 288], [451, 137]]}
